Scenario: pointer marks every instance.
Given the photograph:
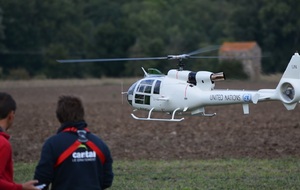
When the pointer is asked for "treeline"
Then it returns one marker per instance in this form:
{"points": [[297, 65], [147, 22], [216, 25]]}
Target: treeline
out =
{"points": [[35, 33]]}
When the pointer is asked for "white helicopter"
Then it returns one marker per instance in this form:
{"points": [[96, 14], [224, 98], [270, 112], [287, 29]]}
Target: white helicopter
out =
{"points": [[186, 92]]}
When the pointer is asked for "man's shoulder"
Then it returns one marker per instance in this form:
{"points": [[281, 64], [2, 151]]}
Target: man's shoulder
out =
{"points": [[94, 138], [4, 136], [52, 140], [4, 140], [58, 137]]}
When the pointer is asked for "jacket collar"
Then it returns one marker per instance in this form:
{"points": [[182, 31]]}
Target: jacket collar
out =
{"points": [[79, 125]]}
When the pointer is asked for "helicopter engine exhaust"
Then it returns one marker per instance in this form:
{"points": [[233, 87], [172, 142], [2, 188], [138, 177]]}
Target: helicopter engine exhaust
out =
{"points": [[217, 77]]}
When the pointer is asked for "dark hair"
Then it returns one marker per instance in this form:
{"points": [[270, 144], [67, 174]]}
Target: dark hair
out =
{"points": [[7, 104], [69, 109]]}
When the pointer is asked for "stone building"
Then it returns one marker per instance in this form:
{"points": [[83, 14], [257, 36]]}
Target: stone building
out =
{"points": [[248, 53]]}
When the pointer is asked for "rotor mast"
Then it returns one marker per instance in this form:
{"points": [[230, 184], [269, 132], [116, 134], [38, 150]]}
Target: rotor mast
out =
{"points": [[180, 59]]}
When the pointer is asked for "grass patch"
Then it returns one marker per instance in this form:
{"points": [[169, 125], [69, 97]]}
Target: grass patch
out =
{"points": [[197, 174]]}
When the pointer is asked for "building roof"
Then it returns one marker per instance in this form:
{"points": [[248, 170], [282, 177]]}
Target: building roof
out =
{"points": [[237, 46]]}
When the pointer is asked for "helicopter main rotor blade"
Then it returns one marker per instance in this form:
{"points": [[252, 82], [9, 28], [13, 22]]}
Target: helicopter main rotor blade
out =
{"points": [[203, 50], [226, 57], [206, 57], [169, 57], [109, 60]]}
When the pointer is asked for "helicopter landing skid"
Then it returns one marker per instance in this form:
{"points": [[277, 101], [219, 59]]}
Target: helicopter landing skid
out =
{"points": [[157, 119], [201, 112], [208, 114]]}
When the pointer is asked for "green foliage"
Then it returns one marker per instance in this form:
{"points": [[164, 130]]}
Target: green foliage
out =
{"points": [[273, 24], [23, 172], [34, 33], [18, 74], [197, 174]]}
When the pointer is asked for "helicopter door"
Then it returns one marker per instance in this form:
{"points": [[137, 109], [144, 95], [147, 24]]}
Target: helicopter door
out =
{"points": [[143, 92]]}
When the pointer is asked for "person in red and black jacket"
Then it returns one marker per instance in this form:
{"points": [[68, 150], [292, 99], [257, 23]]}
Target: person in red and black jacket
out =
{"points": [[7, 115], [74, 158]]}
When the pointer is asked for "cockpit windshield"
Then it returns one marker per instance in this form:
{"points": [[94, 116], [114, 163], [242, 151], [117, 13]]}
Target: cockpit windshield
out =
{"points": [[131, 89], [145, 86], [130, 93]]}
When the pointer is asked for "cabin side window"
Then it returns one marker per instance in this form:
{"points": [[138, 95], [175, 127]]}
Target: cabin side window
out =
{"points": [[157, 87]]}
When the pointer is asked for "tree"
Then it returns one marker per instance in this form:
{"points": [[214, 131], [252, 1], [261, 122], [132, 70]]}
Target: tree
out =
{"points": [[280, 29], [174, 27], [272, 24], [1, 31], [34, 33]]}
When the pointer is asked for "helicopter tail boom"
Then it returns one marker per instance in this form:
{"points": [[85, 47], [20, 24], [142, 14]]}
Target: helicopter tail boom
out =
{"points": [[287, 91]]}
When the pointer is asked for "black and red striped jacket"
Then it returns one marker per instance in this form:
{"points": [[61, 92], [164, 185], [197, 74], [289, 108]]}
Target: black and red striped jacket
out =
{"points": [[82, 168]]}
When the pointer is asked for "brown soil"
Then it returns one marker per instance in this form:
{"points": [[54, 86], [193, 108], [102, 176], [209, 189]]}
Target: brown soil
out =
{"points": [[270, 131]]}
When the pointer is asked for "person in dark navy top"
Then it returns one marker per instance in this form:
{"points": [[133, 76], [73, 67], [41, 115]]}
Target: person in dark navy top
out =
{"points": [[74, 158]]}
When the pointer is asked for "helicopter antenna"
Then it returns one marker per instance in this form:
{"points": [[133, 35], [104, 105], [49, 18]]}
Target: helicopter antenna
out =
{"points": [[145, 73]]}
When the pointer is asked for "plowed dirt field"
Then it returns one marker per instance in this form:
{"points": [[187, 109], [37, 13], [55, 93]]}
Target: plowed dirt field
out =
{"points": [[269, 131]]}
